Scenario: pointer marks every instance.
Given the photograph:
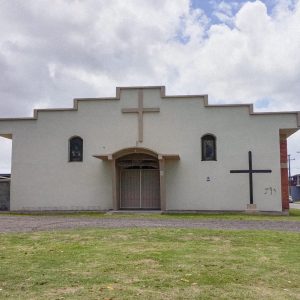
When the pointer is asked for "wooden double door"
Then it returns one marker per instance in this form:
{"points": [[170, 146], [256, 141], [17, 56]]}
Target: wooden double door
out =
{"points": [[139, 182]]}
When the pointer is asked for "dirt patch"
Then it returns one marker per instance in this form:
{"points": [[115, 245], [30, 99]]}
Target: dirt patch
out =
{"points": [[47, 223]]}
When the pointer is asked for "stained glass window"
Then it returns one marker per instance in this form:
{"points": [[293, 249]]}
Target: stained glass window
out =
{"points": [[76, 149], [208, 142]]}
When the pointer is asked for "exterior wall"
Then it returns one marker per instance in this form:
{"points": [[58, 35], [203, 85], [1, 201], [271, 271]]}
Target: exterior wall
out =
{"points": [[237, 133], [43, 179], [295, 190], [4, 194], [295, 187], [295, 180], [284, 172]]}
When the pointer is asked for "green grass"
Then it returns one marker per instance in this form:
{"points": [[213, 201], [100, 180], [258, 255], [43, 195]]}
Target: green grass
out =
{"points": [[150, 264], [294, 215]]}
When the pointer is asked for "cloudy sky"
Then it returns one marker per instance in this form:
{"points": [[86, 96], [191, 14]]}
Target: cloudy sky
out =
{"points": [[52, 51]]}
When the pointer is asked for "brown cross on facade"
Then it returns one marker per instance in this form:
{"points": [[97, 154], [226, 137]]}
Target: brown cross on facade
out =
{"points": [[140, 111]]}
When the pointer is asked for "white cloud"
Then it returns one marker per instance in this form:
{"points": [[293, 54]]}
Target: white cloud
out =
{"points": [[54, 51], [224, 11]]}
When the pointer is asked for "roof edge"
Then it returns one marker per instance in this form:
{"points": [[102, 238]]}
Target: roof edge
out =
{"points": [[162, 95]]}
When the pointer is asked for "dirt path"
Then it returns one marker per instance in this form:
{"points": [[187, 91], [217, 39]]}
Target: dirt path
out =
{"points": [[39, 223]]}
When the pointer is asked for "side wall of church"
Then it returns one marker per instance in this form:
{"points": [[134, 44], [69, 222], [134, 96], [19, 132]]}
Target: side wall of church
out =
{"points": [[208, 185], [44, 179]]}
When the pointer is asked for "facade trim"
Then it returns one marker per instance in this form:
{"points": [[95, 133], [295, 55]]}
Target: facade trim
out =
{"points": [[162, 95]]}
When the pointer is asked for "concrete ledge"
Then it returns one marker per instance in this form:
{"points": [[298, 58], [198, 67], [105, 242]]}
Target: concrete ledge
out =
{"points": [[120, 212], [251, 208], [218, 212], [166, 212], [49, 212]]}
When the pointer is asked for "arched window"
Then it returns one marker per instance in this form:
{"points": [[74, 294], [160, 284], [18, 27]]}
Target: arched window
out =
{"points": [[209, 151], [76, 149]]}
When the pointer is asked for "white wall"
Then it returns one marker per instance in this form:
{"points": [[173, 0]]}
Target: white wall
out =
{"points": [[5, 155], [42, 177]]}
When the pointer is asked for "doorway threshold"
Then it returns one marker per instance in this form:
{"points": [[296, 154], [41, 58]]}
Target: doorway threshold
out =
{"points": [[134, 212]]}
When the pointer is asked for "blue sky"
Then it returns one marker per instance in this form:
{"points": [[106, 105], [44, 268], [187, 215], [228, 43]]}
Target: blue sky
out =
{"points": [[209, 6]]}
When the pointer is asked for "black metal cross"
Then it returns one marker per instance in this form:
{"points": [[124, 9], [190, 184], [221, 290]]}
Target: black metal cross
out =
{"points": [[250, 172]]}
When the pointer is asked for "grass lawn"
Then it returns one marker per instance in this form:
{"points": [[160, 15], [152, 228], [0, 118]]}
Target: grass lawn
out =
{"points": [[294, 215], [150, 264]]}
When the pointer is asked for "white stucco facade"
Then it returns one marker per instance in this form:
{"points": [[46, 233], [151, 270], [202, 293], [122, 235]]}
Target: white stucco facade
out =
{"points": [[44, 179]]}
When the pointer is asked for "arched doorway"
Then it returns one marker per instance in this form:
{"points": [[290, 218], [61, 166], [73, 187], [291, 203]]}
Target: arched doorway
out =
{"points": [[150, 188], [138, 181]]}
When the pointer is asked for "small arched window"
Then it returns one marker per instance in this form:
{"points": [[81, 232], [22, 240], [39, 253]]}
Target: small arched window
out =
{"points": [[76, 149], [209, 151]]}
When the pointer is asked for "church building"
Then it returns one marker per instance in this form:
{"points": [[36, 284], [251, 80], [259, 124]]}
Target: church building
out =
{"points": [[144, 150]]}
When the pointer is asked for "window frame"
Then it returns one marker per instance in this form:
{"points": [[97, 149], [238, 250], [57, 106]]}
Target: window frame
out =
{"points": [[69, 148], [214, 138]]}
